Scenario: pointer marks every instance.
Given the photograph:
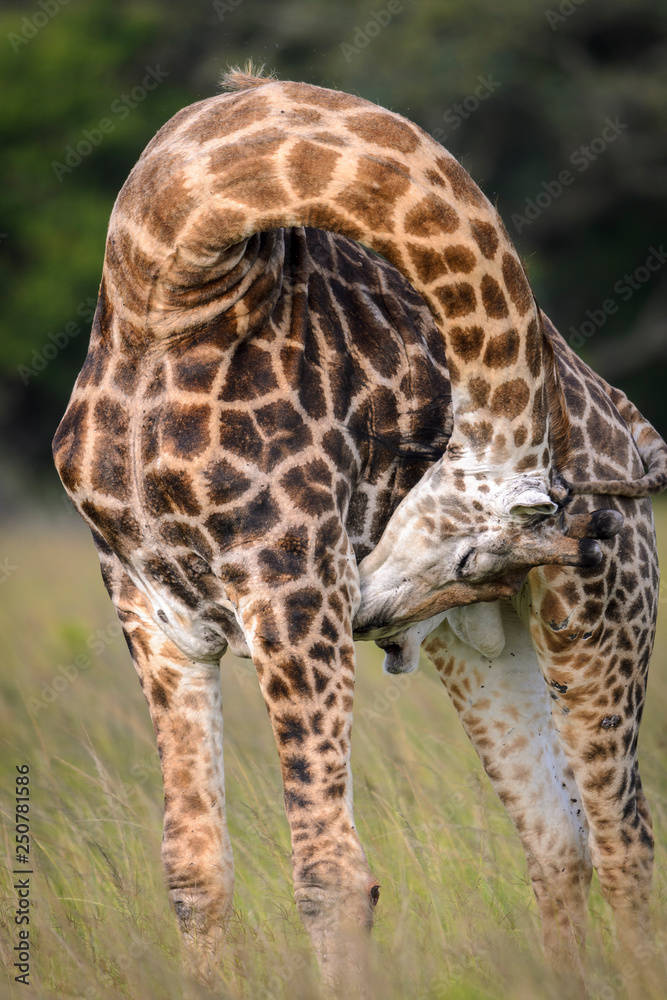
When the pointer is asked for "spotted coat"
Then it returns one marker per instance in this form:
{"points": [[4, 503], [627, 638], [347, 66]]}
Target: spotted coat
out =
{"points": [[265, 406]]}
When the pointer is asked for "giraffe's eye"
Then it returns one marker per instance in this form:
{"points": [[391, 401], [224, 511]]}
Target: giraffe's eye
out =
{"points": [[464, 562]]}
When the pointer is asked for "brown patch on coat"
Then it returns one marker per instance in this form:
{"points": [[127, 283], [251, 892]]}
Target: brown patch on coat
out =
{"points": [[467, 341], [517, 284], [380, 129], [510, 399], [459, 258], [429, 264], [185, 429], [493, 299], [373, 193], [502, 350], [310, 168], [430, 218], [457, 299], [485, 236], [462, 184]]}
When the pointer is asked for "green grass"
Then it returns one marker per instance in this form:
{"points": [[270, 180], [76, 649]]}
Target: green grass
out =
{"points": [[456, 918]]}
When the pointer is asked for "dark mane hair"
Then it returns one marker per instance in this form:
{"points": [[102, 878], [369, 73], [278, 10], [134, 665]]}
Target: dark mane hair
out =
{"points": [[559, 421]]}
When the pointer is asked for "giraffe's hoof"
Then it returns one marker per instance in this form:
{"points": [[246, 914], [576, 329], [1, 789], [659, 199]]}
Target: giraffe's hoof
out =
{"points": [[606, 523], [590, 553], [560, 492], [601, 524]]}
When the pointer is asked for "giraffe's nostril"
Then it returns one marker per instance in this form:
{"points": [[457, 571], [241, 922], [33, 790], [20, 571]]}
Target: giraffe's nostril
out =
{"points": [[375, 894]]}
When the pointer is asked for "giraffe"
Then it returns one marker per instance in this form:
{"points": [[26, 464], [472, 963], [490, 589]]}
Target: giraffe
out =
{"points": [[265, 405]]}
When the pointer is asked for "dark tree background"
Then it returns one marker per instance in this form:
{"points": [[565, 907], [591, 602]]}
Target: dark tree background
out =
{"points": [[556, 108]]}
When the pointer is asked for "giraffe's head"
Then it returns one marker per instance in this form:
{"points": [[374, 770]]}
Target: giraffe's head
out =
{"points": [[448, 546]]}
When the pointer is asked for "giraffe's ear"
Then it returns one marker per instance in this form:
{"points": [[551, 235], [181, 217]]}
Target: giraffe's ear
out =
{"points": [[479, 626], [531, 501]]}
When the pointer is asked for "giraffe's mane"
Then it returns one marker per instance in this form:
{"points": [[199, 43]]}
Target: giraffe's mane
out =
{"points": [[559, 424], [236, 78]]}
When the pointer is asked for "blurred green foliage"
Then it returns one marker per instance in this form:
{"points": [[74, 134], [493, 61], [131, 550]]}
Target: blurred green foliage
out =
{"points": [[548, 75]]}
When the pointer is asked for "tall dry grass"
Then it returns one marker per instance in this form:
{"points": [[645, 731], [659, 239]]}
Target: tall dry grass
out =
{"points": [[456, 918]]}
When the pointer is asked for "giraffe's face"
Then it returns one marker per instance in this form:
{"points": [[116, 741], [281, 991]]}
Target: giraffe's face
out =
{"points": [[424, 575], [456, 540]]}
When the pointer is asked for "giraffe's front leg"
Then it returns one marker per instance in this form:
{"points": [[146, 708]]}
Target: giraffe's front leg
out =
{"points": [[594, 654], [301, 644], [185, 705], [504, 706]]}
